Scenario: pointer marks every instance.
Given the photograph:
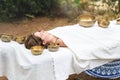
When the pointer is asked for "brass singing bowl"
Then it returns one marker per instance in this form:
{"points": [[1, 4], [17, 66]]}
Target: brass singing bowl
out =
{"points": [[87, 20], [20, 39], [6, 37], [53, 47], [37, 50], [104, 23], [118, 21]]}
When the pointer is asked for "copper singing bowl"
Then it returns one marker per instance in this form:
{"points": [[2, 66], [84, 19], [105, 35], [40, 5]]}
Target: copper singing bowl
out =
{"points": [[53, 47], [37, 50], [104, 23], [118, 21], [6, 37], [87, 20]]}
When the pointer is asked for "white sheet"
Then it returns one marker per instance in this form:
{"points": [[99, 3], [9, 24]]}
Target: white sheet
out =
{"points": [[90, 44], [17, 63]]}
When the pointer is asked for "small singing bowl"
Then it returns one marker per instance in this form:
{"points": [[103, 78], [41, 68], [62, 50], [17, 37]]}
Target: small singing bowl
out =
{"points": [[118, 21], [87, 20], [104, 23], [37, 50], [20, 39], [53, 47], [6, 38]]}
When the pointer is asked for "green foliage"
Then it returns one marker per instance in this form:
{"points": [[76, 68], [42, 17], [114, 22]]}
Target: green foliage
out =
{"points": [[77, 2], [18, 8]]}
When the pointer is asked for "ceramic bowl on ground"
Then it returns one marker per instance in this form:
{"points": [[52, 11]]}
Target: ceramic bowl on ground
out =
{"points": [[6, 37], [103, 22], [37, 50], [87, 20], [118, 21], [20, 39], [53, 47]]}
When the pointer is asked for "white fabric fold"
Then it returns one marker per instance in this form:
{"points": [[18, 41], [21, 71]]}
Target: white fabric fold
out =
{"points": [[18, 63], [63, 63]]}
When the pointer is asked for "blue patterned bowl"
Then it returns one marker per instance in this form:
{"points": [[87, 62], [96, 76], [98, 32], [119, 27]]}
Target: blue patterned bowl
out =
{"points": [[110, 70]]}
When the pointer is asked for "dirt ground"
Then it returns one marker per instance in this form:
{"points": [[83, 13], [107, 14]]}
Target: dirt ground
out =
{"points": [[27, 26]]}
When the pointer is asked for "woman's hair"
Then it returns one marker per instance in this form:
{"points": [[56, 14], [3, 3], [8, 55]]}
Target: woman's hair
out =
{"points": [[33, 41]]}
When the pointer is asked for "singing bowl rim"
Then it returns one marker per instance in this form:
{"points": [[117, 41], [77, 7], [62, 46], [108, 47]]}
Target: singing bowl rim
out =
{"points": [[53, 48], [37, 50], [87, 20]]}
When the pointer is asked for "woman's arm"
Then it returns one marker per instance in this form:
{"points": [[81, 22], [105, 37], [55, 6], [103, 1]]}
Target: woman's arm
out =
{"points": [[55, 39], [60, 42]]}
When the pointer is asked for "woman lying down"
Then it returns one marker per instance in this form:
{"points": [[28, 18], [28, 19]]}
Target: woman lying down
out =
{"points": [[78, 39], [86, 44], [42, 38]]}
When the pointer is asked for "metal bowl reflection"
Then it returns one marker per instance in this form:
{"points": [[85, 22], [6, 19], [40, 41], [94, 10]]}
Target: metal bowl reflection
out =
{"points": [[53, 47], [87, 20], [37, 50], [103, 22], [6, 37], [20, 39], [118, 21]]}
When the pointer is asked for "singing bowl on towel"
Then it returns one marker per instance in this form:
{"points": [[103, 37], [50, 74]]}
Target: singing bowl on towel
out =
{"points": [[87, 20], [53, 47], [6, 37], [20, 39], [103, 22], [37, 50], [118, 21]]}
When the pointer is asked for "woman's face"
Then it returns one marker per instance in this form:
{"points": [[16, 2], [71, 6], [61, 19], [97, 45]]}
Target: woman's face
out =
{"points": [[37, 34], [43, 35]]}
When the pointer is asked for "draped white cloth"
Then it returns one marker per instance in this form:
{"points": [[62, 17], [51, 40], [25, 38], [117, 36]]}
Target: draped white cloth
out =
{"points": [[94, 44], [87, 48], [17, 63]]}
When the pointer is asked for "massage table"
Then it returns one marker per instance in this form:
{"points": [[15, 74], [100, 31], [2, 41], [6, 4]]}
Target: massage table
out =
{"points": [[18, 63]]}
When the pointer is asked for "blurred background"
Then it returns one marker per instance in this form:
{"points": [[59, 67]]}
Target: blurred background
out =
{"points": [[15, 9], [21, 17]]}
